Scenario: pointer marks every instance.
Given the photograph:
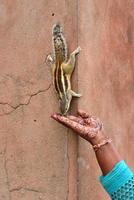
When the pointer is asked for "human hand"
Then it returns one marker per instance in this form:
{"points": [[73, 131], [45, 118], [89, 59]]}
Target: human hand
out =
{"points": [[85, 125]]}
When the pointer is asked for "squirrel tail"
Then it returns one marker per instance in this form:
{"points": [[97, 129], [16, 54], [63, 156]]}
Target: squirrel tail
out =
{"points": [[57, 30], [59, 43]]}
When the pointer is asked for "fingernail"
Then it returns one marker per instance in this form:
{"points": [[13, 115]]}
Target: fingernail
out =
{"points": [[54, 116]]}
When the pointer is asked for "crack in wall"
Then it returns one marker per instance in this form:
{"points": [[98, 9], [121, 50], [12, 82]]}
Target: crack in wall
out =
{"points": [[68, 168], [6, 171], [77, 36], [26, 189], [23, 104], [7, 178]]}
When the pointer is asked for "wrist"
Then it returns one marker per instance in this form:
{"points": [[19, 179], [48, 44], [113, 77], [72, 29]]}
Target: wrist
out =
{"points": [[98, 137]]}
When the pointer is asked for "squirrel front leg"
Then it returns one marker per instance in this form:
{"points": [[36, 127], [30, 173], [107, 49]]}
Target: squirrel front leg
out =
{"points": [[68, 67]]}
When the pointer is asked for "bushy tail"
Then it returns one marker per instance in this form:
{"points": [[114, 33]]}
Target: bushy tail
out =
{"points": [[59, 43]]}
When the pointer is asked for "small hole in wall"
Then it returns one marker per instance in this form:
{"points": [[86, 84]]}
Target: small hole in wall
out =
{"points": [[35, 120], [52, 14]]}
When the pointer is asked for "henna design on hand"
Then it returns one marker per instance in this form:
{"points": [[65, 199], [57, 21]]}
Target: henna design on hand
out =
{"points": [[84, 124]]}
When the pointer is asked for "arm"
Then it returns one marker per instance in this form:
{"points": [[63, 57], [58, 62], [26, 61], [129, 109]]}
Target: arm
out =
{"points": [[117, 178], [107, 156]]}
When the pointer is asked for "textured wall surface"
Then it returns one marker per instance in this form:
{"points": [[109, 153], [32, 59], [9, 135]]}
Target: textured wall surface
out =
{"points": [[40, 159], [106, 79], [35, 160]]}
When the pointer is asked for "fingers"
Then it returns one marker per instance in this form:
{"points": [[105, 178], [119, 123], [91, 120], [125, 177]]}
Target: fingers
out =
{"points": [[83, 114], [76, 119], [64, 120], [80, 129], [78, 125], [91, 121]]}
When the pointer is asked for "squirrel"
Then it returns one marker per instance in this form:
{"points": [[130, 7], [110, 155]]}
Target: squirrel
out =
{"points": [[62, 68]]}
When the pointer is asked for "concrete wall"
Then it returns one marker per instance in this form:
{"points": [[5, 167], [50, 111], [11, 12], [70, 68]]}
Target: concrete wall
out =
{"points": [[106, 79], [40, 159]]}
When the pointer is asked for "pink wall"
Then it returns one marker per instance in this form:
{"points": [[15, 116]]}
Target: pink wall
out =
{"points": [[40, 159], [106, 79]]}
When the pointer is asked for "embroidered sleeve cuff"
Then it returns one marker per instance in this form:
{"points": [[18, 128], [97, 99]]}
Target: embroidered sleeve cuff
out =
{"points": [[117, 177]]}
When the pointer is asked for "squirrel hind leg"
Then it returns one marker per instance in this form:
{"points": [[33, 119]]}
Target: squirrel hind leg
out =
{"points": [[74, 94]]}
